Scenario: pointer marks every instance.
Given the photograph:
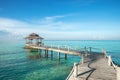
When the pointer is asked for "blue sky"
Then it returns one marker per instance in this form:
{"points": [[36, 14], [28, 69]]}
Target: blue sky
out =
{"points": [[61, 19]]}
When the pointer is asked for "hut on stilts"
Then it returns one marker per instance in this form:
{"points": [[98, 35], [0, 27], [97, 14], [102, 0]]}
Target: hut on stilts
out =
{"points": [[33, 40]]}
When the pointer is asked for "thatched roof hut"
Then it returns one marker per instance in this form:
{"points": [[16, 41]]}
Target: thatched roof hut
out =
{"points": [[33, 36], [34, 39]]}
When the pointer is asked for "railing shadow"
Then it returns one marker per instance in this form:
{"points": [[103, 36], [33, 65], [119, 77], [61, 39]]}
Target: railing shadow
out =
{"points": [[86, 72]]}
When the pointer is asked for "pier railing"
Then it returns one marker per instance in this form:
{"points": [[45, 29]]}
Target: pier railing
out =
{"points": [[60, 47], [106, 56], [64, 47], [86, 51], [71, 72], [104, 52], [111, 63]]}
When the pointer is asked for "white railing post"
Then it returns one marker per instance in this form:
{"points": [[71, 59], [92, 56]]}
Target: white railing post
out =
{"points": [[58, 47], [75, 69], [85, 48], [44, 46], [118, 73], [82, 59], [65, 46], [68, 48], [109, 60], [75, 48], [51, 45], [90, 49], [85, 51], [103, 51], [105, 55]]}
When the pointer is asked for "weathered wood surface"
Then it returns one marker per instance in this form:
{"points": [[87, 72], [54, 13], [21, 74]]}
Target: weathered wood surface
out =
{"points": [[95, 67]]}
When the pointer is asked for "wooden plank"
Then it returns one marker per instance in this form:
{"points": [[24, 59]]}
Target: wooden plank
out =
{"points": [[95, 68]]}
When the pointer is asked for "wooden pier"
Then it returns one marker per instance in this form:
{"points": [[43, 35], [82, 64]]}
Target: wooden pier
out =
{"points": [[93, 65], [34, 41], [58, 49]]}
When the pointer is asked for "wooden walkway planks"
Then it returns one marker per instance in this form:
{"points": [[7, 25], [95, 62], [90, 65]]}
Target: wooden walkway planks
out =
{"points": [[95, 67]]}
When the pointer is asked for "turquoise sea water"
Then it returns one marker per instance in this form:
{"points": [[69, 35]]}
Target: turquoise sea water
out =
{"points": [[17, 63]]}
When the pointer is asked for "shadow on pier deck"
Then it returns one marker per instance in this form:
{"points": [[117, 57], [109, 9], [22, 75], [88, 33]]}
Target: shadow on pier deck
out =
{"points": [[95, 67]]}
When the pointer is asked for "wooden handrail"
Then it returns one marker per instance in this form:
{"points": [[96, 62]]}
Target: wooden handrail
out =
{"points": [[85, 49], [110, 61], [70, 73], [118, 73]]}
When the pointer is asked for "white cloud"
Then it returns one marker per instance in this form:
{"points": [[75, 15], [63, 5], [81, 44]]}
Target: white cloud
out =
{"points": [[53, 17], [52, 29]]}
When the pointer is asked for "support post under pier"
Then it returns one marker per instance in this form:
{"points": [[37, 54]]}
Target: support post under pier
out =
{"points": [[46, 53], [51, 54], [90, 49], [65, 56], [59, 56], [39, 52]]}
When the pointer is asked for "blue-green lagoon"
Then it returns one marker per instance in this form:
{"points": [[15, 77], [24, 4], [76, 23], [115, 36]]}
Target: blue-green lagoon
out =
{"points": [[17, 63]]}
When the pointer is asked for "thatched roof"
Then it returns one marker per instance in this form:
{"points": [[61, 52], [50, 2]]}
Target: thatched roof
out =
{"points": [[34, 36]]}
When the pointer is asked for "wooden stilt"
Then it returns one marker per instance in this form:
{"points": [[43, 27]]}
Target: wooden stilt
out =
{"points": [[51, 54], [59, 56], [39, 53], [46, 53], [65, 56], [90, 49]]}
